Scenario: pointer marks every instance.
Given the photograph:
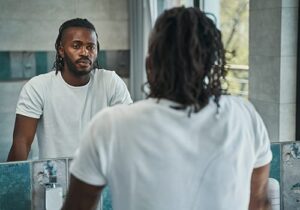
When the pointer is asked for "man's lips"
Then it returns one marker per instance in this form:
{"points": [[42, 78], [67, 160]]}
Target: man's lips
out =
{"points": [[84, 61]]}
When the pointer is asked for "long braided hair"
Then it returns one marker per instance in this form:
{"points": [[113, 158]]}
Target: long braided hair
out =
{"points": [[186, 58], [76, 22]]}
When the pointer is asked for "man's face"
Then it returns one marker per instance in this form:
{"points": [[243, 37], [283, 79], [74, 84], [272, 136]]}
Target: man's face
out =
{"points": [[79, 50]]}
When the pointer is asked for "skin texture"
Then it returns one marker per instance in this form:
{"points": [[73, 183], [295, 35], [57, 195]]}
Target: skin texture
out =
{"points": [[259, 185], [79, 51], [82, 196], [23, 135]]}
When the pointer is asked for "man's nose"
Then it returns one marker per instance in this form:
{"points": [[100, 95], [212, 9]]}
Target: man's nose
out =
{"points": [[84, 50]]}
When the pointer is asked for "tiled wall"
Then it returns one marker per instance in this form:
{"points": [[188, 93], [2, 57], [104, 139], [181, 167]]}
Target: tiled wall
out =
{"points": [[16, 65], [15, 182], [22, 183], [285, 167], [273, 64], [290, 184], [33, 24], [40, 177]]}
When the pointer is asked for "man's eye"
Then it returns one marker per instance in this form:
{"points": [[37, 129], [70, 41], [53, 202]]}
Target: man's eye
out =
{"points": [[91, 47], [76, 46]]}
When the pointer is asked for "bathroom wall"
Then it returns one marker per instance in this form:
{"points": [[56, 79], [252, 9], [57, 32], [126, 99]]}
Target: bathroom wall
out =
{"points": [[285, 168], [22, 183], [273, 65]]}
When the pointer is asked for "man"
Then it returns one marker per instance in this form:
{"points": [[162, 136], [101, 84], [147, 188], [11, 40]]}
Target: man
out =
{"points": [[187, 146], [57, 105]]}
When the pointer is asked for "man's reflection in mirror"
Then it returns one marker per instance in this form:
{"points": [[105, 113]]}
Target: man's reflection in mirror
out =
{"points": [[57, 106]]}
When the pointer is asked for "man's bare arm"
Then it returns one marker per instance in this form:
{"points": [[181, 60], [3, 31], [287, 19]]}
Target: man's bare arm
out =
{"points": [[24, 131], [81, 196], [259, 188]]}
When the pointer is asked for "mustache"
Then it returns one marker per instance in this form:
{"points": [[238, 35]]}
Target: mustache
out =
{"points": [[84, 59]]}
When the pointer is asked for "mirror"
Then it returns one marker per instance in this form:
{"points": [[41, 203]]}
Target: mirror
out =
{"points": [[28, 34]]}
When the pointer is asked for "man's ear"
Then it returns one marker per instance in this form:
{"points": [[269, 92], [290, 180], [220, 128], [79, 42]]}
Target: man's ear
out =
{"points": [[61, 51]]}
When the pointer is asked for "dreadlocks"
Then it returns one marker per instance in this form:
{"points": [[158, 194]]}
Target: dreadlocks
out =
{"points": [[186, 60], [77, 22]]}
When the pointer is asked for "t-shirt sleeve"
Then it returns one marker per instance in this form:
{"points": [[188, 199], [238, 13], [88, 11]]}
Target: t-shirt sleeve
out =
{"points": [[120, 93], [91, 161], [262, 146], [30, 101]]}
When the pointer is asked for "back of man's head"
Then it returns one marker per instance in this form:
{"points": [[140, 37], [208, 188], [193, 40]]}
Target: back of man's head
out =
{"points": [[186, 58], [76, 22]]}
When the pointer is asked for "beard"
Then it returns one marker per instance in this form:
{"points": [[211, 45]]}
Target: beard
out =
{"points": [[73, 69]]}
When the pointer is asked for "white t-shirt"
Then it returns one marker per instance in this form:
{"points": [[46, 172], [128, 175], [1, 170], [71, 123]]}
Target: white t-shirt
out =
{"points": [[64, 110], [153, 156]]}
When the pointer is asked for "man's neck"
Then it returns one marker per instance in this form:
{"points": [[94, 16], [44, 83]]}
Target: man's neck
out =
{"points": [[75, 80]]}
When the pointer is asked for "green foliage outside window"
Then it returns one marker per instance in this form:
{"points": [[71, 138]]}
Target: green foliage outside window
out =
{"points": [[234, 17]]}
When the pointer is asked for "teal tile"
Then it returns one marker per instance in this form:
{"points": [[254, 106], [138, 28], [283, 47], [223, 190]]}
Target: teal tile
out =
{"points": [[15, 182], [275, 163], [106, 199], [5, 66], [102, 59], [118, 61], [41, 62], [51, 57], [290, 175]]}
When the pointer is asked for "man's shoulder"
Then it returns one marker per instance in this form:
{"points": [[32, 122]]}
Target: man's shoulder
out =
{"points": [[105, 77], [237, 104], [101, 73], [234, 101], [41, 79]]}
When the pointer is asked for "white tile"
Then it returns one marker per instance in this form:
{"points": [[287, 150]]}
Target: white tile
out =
{"points": [[24, 38], [93, 9], [106, 10], [287, 121], [264, 78], [34, 24], [290, 3], [289, 31], [6, 125], [113, 35], [270, 114], [288, 79], [264, 4], [6, 128], [9, 94], [118, 9], [36, 9], [265, 31]]}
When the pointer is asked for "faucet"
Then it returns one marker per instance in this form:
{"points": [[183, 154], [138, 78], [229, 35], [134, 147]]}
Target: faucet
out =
{"points": [[53, 190]]}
